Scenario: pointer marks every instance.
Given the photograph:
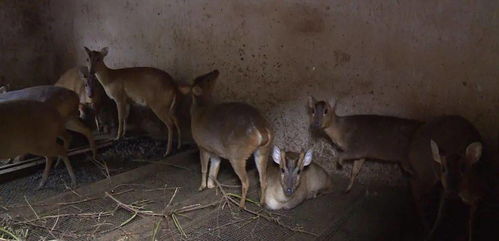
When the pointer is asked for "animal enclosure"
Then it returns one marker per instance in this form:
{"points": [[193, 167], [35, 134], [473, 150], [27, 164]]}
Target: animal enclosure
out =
{"points": [[356, 82]]}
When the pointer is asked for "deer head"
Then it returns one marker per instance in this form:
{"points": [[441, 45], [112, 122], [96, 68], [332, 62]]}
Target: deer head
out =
{"points": [[291, 166]]}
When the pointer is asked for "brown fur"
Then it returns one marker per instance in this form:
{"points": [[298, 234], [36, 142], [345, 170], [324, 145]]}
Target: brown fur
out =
{"points": [[142, 85], [80, 81], [33, 127], [232, 131], [363, 137], [304, 182], [64, 101]]}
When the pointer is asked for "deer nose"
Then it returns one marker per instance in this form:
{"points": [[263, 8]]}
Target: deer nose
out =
{"points": [[289, 191]]}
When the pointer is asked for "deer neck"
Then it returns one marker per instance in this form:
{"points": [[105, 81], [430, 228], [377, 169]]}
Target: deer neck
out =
{"points": [[335, 131], [199, 105], [103, 73]]}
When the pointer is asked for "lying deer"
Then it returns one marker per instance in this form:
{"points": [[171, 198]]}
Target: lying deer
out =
{"points": [[143, 85], [232, 131], [294, 180], [33, 127], [90, 91], [361, 137], [64, 101], [443, 155]]}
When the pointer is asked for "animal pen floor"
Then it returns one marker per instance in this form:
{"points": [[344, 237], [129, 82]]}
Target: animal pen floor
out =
{"points": [[130, 206]]}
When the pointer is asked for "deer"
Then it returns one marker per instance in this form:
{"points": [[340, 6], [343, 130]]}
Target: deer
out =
{"points": [[361, 137], [91, 94], [33, 127], [294, 179], [145, 86], [64, 101], [229, 130], [445, 154]]}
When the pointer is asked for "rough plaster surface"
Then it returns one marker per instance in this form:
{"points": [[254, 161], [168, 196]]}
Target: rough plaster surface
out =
{"points": [[414, 59], [27, 54]]}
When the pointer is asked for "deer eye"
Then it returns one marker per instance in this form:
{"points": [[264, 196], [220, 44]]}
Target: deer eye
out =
{"points": [[313, 111], [282, 170], [298, 172], [325, 111]]}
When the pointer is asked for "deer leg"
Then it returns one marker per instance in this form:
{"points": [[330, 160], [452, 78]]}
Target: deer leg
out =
{"points": [[48, 164], [473, 209], [166, 119], [76, 125], [97, 124], [261, 159], [214, 167], [357, 165], [66, 140], [240, 169], [435, 229], [204, 157], [179, 134], [123, 111], [70, 170]]}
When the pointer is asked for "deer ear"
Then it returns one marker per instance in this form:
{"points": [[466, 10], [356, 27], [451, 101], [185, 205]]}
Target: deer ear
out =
{"points": [[308, 157], [435, 152], [87, 50], [184, 89], [473, 152], [197, 91], [104, 51], [276, 155], [311, 102]]}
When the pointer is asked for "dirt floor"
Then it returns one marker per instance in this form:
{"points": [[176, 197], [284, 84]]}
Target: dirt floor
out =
{"points": [[160, 201]]}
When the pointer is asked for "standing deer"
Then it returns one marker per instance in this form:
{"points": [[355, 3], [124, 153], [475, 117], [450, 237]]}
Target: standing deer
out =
{"points": [[33, 127], [361, 137], [142, 85], [63, 100], [92, 95], [232, 131], [294, 180], [443, 155]]}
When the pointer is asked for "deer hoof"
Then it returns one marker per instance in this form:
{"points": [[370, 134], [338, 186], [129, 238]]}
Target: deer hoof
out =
{"points": [[211, 184]]}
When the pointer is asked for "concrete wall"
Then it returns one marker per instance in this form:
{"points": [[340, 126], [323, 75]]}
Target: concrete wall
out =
{"points": [[414, 59], [27, 55]]}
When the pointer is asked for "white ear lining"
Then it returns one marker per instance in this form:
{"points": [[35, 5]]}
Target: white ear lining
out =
{"points": [[276, 155], [308, 157]]}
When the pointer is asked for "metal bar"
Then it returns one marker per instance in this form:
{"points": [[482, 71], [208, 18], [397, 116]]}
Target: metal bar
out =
{"points": [[39, 160]]}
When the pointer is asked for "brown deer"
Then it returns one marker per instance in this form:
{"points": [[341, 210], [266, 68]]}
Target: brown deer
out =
{"points": [[232, 131], [33, 127], [63, 100], [92, 96], [142, 85], [443, 155], [294, 180], [361, 137]]}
